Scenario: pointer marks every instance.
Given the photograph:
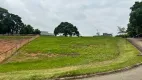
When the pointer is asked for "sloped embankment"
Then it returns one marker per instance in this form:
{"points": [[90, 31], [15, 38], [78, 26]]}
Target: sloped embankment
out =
{"points": [[9, 46]]}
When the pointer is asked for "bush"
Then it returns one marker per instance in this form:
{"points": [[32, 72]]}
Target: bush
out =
{"points": [[123, 36]]}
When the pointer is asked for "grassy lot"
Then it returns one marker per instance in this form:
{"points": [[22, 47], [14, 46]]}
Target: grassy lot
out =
{"points": [[48, 57]]}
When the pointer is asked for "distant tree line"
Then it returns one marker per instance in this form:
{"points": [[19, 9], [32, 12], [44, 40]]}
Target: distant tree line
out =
{"points": [[12, 24], [67, 29], [135, 21]]}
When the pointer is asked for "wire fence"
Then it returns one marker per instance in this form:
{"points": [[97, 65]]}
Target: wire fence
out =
{"points": [[7, 54]]}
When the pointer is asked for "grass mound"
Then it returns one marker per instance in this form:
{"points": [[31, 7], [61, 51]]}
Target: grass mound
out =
{"points": [[48, 57]]}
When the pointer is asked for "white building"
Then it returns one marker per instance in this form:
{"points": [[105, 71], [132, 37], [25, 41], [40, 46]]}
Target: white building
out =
{"points": [[46, 33]]}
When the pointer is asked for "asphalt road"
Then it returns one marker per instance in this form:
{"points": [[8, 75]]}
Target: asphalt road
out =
{"points": [[133, 74]]}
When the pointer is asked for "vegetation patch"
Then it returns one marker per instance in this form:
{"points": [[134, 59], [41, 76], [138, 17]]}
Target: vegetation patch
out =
{"points": [[51, 57]]}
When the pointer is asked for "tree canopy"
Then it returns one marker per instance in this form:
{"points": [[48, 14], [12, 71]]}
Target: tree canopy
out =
{"points": [[12, 24], [66, 29], [135, 21]]}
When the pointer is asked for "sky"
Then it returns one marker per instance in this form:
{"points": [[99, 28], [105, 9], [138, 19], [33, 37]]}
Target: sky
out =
{"points": [[89, 16]]}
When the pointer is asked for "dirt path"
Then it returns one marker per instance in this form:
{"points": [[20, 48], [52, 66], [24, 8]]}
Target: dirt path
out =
{"points": [[133, 74]]}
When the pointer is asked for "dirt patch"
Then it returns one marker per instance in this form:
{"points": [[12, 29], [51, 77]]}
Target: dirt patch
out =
{"points": [[9, 46], [23, 56], [84, 45], [6, 45], [41, 55], [71, 54], [50, 55]]}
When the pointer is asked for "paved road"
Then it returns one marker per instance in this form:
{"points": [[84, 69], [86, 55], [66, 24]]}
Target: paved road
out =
{"points": [[133, 74], [137, 42]]}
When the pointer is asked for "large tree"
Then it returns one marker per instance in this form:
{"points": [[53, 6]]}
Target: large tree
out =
{"points": [[37, 31], [27, 29], [9, 23], [135, 21], [12, 24], [3, 13], [66, 29]]}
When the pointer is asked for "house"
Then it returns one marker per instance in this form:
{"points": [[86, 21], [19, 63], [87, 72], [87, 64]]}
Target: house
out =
{"points": [[107, 34]]}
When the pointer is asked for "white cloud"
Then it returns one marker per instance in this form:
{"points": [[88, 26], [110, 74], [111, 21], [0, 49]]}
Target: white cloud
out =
{"points": [[87, 15]]}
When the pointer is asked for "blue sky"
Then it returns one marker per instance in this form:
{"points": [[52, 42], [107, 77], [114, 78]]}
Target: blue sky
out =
{"points": [[88, 15]]}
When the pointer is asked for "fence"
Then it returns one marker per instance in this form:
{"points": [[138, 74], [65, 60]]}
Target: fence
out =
{"points": [[5, 55]]}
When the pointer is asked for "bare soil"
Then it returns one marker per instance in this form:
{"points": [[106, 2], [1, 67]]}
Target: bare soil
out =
{"points": [[7, 47]]}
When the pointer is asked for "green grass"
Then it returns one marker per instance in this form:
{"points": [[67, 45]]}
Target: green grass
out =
{"points": [[48, 57]]}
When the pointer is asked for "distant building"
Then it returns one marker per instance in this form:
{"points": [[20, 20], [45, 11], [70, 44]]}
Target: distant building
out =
{"points": [[106, 34], [45, 33]]}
